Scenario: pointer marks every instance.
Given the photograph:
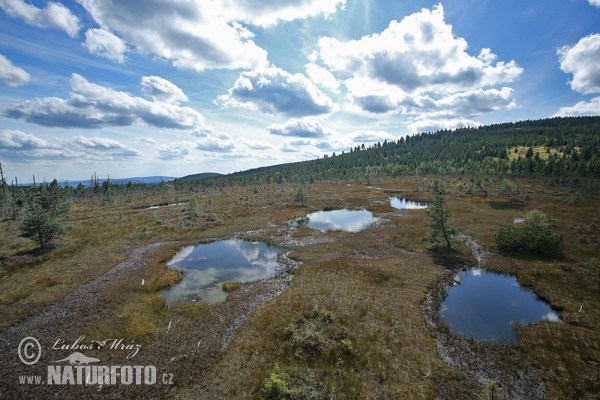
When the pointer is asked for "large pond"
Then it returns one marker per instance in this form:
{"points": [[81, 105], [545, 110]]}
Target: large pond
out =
{"points": [[208, 266], [346, 220], [407, 204], [488, 306]]}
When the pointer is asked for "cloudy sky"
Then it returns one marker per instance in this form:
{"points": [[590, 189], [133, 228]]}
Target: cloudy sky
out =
{"points": [[175, 87]]}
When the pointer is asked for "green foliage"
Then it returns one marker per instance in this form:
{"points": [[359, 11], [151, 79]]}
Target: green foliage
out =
{"points": [[440, 218], [531, 240], [53, 199], [301, 195], [537, 219], [480, 151], [577, 198], [492, 390], [193, 208], [315, 332], [306, 335], [507, 187], [292, 383], [39, 226]]}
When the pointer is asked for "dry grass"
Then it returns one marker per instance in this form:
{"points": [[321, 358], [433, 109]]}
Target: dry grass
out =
{"points": [[373, 281]]}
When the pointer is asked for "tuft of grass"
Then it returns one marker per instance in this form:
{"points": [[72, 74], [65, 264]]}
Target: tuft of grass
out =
{"points": [[231, 286]]}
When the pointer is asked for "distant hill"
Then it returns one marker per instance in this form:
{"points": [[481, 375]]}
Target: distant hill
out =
{"points": [[204, 175], [147, 180], [553, 147]]}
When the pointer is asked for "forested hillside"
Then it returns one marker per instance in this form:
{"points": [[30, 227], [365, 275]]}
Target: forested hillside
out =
{"points": [[556, 147]]}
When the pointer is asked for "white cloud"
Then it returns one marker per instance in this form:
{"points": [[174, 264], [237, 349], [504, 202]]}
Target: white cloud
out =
{"points": [[95, 106], [17, 144], [266, 13], [303, 128], [144, 140], [177, 150], [432, 125], [15, 140], [582, 108], [369, 136], [255, 144], [583, 61], [275, 91], [418, 66], [104, 146], [103, 43], [333, 144], [162, 90], [191, 34], [322, 77], [211, 142], [11, 75], [595, 3], [54, 15]]}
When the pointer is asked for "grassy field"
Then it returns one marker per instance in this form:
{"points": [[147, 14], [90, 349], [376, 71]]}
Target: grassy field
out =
{"points": [[350, 324]]}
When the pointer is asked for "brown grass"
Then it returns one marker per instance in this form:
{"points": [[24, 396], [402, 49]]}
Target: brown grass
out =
{"points": [[373, 281]]}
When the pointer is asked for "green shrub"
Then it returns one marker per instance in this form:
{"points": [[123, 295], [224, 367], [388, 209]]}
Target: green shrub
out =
{"points": [[291, 383], [530, 241]]}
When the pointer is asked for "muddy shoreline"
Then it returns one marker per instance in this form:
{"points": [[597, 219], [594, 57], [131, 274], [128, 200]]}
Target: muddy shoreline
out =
{"points": [[480, 362]]}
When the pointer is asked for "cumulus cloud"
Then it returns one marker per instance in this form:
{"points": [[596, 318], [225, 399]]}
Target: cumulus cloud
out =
{"points": [[432, 125], [107, 147], [191, 34], [595, 3], [582, 108], [54, 15], [144, 140], [275, 91], [333, 144], [94, 106], [583, 61], [322, 77], [20, 141], [303, 128], [369, 136], [266, 13], [256, 144], [11, 75], [162, 90], [103, 43], [220, 142], [177, 150], [14, 143], [417, 66]]}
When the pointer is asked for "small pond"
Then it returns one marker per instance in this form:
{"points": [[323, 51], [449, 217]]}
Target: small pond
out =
{"points": [[486, 306], [346, 220], [407, 204], [208, 266]]}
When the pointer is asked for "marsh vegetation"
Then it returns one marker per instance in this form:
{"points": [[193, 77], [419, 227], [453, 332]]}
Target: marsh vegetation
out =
{"points": [[347, 318]]}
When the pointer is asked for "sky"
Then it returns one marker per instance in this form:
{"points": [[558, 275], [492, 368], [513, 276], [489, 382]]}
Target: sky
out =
{"points": [[132, 88]]}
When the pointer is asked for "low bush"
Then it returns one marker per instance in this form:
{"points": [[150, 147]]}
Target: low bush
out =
{"points": [[530, 241], [291, 383]]}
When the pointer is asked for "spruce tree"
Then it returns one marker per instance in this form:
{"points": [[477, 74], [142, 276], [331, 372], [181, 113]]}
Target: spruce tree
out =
{"points": [[39, 226], [440, 217]]}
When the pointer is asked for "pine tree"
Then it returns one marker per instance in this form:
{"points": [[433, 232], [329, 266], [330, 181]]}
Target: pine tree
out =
{"points": [[440, 217]]}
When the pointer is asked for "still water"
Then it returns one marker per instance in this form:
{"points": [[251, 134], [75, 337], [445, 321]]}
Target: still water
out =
{"points": [[407, 204], [346, 220], [208, 266], [485, 306]]}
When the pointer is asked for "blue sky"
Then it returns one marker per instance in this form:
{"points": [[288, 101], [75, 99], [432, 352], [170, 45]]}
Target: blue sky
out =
{"points": [[138, 88]]}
